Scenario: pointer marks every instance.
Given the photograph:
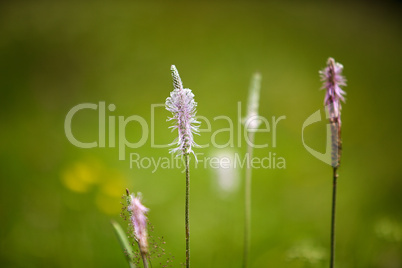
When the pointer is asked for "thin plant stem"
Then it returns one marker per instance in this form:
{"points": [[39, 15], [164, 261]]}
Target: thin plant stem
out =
{"points": [[332, 254], [247, 203], [144, 260], [187, 210]]}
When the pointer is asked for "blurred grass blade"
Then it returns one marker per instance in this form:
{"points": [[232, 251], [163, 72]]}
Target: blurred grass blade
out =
{"points": [[124, 243]]}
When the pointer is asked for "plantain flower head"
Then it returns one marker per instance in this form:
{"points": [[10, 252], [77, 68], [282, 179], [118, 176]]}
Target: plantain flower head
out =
{"points": [[332, 81], [183, 108], [138, 220]]}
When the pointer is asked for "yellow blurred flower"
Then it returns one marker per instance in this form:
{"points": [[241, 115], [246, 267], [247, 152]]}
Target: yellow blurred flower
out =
{"points": [[82, 176]]}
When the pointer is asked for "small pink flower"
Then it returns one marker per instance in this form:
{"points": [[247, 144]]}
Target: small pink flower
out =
{"points": [[183, 108], [138, 219], [333, 80]]}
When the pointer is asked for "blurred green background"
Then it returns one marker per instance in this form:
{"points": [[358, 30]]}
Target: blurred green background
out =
{"points": [[57, 200]]}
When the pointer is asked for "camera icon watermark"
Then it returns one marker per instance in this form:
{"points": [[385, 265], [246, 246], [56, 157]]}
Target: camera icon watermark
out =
{"points": [[332, 135]]}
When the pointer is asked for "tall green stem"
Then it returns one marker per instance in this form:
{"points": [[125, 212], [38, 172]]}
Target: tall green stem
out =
{"points": [[332, 258], [247, 203], [187, 212]]}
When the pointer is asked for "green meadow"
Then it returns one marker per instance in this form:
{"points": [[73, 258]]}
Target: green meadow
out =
{"points": [[113, 58]]}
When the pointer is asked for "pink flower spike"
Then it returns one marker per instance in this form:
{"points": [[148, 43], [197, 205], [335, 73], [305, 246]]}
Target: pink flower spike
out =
{"points": [[333, 80], [183, 108], [138, 220]]}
